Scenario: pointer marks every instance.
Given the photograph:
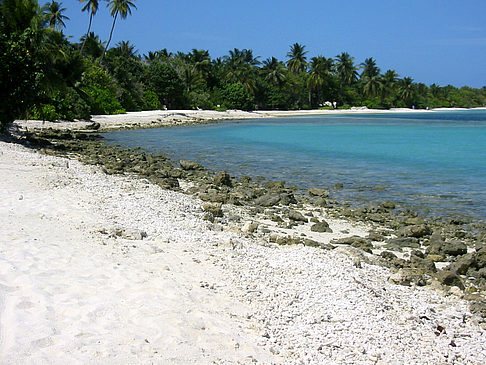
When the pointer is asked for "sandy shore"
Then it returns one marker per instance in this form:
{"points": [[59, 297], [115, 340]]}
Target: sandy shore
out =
{"points": [[105, 269], [164, 118]]}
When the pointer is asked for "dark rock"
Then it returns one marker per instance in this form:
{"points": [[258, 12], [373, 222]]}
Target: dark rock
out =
{"points": [[214, 197], [480, 257], [375, 236], [447, 277], [297, 216], [411, 221], [190, 165], [454, 248], [388, 205], [478, 307], [355, 241], [274, 185], [93, 126], [321, 202], [388, 255], [407, 277], [425, 264], [268, 200], [376, 217], [318, 192], [287, 199], [338, 186], [462, 265], [417, 231], [321, 227], [214, 209], [403, 242], [223, 179], [312, 243]]}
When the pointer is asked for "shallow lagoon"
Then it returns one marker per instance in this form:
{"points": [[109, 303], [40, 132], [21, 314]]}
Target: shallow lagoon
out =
{"points": [[433, 162]]}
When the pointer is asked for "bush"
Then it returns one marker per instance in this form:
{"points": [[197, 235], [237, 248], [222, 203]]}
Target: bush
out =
{"points": [[236, 96], [151, 101], [102, 101], [44, 112], [201, 100]]}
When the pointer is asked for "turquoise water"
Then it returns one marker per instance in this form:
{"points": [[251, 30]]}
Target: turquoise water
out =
{"points": [[433, 162]]}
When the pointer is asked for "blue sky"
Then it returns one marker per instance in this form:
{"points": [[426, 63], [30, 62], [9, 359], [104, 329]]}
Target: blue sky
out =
{"points": [[441, 41]]}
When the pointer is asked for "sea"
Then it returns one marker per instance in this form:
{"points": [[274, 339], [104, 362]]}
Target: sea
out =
{"points": [[431, 162]]}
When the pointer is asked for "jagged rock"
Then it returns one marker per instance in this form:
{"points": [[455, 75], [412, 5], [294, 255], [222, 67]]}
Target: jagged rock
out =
{"points": [[407, 277], [426, 265], [321, 202], [447, 277], [190, 165], [287, 199], [462, 265], [324, 193], [213, 208], [399, 243], [355, 241], [375, 236], [223, 179], [416, 231], [297, 216], [214, 197], [268, 200], [478, 307], [454, 248], [321, 227], [312, 243], [388, 255], [274, 185], [388, 205], [439, 247]]}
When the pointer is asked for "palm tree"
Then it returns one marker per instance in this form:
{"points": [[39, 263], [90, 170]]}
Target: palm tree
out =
{"points": [[297, 60], [407, 90], [125, 49], [371, 79], [92, 7], [240, 67], [275, 71], [93, 45], [369, 68], [320, 72], [121, 7], [17, 15], [54, 16], [389, 81], [346, 70]]}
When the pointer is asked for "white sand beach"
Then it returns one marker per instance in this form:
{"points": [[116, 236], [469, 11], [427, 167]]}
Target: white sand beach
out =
{"points": [[163, 118], [105, 269]]}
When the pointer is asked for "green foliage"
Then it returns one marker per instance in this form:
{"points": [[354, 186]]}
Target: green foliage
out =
{"points": [[44, 112], [102, 101], [236, 96], [151, 101], [21, 75], [163, 80], [200, 100], [43, 74]]}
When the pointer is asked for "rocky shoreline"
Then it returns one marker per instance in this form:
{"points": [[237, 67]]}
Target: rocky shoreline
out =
{"points": [[448, 254], [319, 279]]}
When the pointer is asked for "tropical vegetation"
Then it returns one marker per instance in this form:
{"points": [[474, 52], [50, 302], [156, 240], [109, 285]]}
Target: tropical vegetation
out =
{"points": [[45, 75]]}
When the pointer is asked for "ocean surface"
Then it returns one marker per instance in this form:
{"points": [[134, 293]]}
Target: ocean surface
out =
{"points": [[432, 162]]}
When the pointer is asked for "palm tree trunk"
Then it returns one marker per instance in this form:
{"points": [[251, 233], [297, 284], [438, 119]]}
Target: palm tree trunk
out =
{"points": [[89, 28], [109, 39]]}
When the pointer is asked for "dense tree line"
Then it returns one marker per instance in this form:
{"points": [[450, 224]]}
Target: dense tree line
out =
{"points": [[45, 76]]}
